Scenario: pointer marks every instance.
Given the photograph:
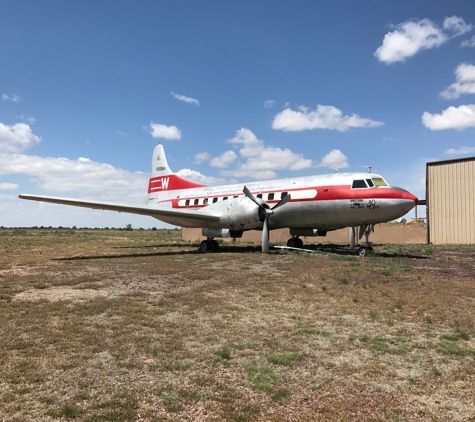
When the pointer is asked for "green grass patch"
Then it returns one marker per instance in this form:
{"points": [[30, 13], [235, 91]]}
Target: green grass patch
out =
{"points": [[261, 378]]}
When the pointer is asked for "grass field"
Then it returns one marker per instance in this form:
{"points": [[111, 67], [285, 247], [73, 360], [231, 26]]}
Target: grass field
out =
{"points": [[109, 325]]}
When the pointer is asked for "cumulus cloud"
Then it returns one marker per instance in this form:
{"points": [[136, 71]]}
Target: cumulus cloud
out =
{"points": [[14, 98], [324, 117], [17, 138], [197, 177], [460, 151], [269, 103], [224, 160], [335, 159], [468, 43], [262, 161], [201, 157], [165, 132], [458, 118], [410, 37], [185, 99], [82, 175], [456, 25], [8, 186], [464, 82]]}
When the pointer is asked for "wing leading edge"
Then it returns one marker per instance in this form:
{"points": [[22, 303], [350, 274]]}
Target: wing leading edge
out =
{"points": [[187, 218]]}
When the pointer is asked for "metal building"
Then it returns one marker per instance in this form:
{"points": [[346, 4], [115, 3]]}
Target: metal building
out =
{"points": [[450, 195]]}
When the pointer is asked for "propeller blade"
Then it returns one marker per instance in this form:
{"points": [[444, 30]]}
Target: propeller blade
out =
{"points": [[248, 193], [265, 236], [283, 201]]}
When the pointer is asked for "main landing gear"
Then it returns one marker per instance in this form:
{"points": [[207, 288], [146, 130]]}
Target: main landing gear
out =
{"points": [[209, 245], [295, 242]]}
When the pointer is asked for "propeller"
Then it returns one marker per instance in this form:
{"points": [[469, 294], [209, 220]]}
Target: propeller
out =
{"points": [[265, 211]]}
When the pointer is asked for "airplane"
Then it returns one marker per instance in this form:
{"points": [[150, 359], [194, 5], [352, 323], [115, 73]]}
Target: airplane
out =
{"points": [[308, 205]]}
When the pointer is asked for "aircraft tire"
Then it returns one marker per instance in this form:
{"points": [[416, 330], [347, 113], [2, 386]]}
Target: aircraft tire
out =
{"points": [[214, 246], [363, 251], [291, 243], [204, 246]]}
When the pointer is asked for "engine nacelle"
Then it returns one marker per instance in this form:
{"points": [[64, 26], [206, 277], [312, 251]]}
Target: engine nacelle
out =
{"points": [[243, 214]]}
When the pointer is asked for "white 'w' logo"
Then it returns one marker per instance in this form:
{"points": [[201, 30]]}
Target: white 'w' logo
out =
{"points": [[165, 181]]}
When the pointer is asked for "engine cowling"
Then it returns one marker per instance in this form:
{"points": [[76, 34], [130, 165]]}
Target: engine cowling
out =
{"points": [[243, 214]]}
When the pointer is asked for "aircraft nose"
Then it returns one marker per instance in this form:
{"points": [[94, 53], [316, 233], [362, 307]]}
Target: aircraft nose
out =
{"points": [[410, 196], [408, 200]]}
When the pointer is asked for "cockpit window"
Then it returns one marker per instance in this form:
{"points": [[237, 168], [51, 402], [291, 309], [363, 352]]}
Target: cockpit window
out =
{"points": [[358, 184], [370, 183], [379, 181]]}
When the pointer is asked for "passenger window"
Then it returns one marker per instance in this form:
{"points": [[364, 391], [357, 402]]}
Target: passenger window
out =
{"points": [[187, 202], [196, 201], [224, 199], [259, 195], [270, 197], [215, 200], [283, 195], [358, 184], [205, 201], [235, 196], [370, 183]]}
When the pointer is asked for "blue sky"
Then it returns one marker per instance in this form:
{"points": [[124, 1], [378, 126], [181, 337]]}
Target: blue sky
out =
{"points": [[236, 91]]}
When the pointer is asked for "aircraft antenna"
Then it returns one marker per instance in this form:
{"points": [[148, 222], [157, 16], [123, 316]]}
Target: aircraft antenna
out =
{"points": [[368, 167]]}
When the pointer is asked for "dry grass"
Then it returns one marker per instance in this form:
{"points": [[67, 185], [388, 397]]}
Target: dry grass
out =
{"points": [[137, 325]]}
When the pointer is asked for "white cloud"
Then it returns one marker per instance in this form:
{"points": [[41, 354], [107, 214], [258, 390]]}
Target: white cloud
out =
{"points": [[224, 160], [465, 82], [410, 37], [185, 99], [120, 133], [27, 118], [459, 118], [468, 43], [165, 132], [460, 151], [201, 157], [8, 186], [262, 161], [14, 98], [17, 138], [87, 177], [269, 103], [335, 159], [324, 117], [197, 177], [456, 25]]}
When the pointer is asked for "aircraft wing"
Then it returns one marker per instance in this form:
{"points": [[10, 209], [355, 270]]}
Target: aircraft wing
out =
{"points": [[186, 218]]}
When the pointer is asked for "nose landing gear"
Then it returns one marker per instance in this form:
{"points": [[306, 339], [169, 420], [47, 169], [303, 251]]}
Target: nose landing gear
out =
{"points": [[366, 230]]}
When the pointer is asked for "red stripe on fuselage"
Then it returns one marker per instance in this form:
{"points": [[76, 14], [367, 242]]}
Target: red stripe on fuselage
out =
{"points": [[324, 193]]}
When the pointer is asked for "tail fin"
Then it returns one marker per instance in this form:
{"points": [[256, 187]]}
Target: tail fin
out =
{"points": [[162, 178]]}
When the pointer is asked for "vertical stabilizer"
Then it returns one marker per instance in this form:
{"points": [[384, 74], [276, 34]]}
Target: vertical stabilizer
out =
{"points": [[159, 163], [162, 178]]}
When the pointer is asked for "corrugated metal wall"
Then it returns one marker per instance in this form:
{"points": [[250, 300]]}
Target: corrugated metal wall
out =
{"points": [[451, 201]]}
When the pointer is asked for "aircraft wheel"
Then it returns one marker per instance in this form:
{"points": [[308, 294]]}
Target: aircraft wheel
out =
{"points": [[214, 246], [363, 251], [292, 243], [299, 242], [204, 246]]}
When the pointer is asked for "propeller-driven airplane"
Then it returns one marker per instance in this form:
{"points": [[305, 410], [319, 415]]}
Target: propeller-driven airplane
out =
{"points": [[309, 206]]}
